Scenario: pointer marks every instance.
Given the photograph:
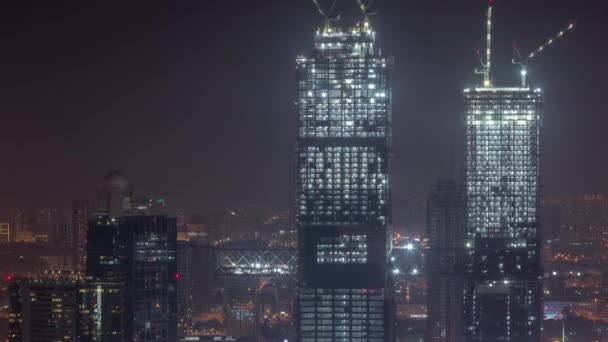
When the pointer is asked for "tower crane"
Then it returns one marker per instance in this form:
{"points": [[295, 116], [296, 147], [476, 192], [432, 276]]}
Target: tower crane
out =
{"points": [[523, 62], [327, 13], [486, 66], [366, 8]]}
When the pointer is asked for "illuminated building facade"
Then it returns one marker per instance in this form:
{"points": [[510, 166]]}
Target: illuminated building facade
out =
{"points": [[342, 194], [445, 262], [503, 300], [5, 232]]}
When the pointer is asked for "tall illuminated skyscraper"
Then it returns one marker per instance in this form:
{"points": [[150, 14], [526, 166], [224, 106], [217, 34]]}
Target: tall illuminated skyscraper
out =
{"points": [[343, 211], [504, 288], [503, 291]]}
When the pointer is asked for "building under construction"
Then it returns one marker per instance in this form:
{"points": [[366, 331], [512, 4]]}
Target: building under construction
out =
{"points": [[342, 185], [504, 288], [503, 291]]}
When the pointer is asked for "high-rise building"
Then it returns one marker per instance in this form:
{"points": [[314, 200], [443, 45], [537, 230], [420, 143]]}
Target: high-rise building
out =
{"points": [[5, 232], [445, 262], [80, 221], [44, 308], [202, 280], [184, 274], [503, 290], [132, 279], [343, 211], [504, 287], [104, 292], [131, 270], [148, 245]]}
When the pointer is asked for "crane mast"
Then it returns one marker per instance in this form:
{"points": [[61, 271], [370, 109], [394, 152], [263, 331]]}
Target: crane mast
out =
{"points": [[486, 76], [487, 65]]}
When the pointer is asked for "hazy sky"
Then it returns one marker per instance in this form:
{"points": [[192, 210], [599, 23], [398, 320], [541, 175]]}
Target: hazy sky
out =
{"points": [[194, 99]]}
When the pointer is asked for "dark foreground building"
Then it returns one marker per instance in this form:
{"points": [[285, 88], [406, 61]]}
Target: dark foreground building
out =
{"points": [[132, 279], [106, 279], [45, 308], [343, 189], [148, 244], [445, 262], [131, 289]]}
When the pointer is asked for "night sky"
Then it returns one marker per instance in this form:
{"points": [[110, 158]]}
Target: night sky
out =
{"points": [[194, 99]]}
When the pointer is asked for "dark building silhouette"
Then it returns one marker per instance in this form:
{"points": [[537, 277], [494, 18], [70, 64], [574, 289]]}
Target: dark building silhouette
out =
{"points": [[149, 248], [45, 308], [104, 293], [445, 262], [185, 272], [80, 221], [342, 191], [131, 270]]}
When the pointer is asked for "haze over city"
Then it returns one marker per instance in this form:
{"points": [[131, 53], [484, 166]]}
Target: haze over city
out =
{"points": [[209, 88], [304, 171]]}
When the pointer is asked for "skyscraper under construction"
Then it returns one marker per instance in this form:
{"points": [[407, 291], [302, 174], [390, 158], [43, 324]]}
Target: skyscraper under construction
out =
{"points": [[343, 211], [503, 291]]}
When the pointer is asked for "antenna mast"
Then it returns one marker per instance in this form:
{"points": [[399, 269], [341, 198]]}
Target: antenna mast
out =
{"points": [[523, 62], [486, 66]]}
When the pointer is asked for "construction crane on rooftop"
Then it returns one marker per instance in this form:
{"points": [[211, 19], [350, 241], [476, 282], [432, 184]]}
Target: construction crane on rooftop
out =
{"points": [[523, 62], [366, 8], [327, 13], [486, 66]]}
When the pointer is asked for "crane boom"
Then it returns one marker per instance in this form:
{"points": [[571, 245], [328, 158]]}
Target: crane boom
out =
{"points": [[523, 62], [552, 40]]}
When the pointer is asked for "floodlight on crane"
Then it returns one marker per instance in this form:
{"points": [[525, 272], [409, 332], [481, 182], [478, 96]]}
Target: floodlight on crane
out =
{"points": [[523, 62]]}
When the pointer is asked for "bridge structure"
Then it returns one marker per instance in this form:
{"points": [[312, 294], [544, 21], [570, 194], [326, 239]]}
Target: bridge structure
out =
{"points": [[254, 262]]}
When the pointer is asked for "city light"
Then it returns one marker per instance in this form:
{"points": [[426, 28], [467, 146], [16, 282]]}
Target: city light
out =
{"points": [[312, 235]]}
